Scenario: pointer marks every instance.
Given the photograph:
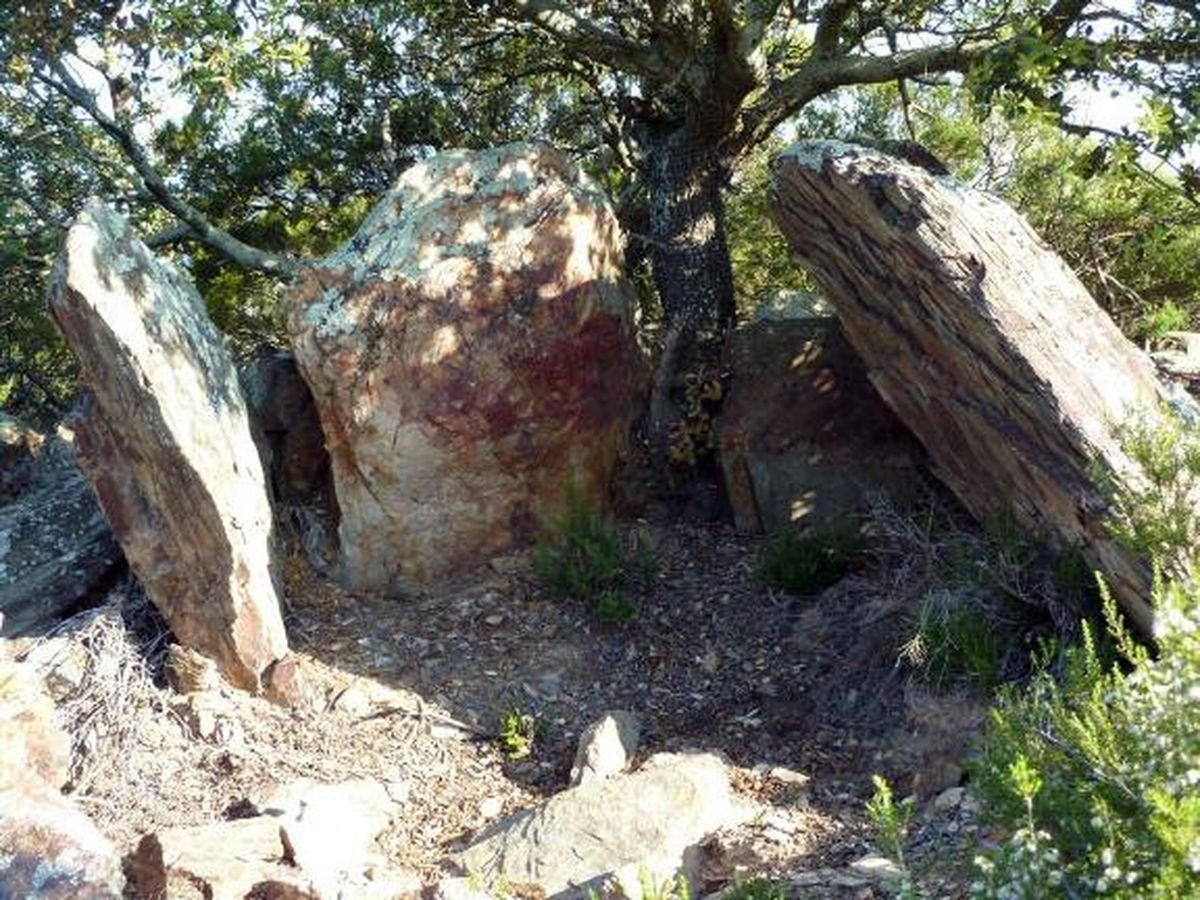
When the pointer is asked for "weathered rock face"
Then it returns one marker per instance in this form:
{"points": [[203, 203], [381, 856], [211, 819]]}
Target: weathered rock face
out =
{"points": [[286, 428], [984, 343], [313, 842], [803, 436], [167, 445], [470, 354], [56, 550], [48, 848], [612, 828]]}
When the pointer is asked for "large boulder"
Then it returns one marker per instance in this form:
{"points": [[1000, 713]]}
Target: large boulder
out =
{"points": [[803, 436], [471, 356], [650, 823], [167, 446], [980, 338], [56, 550]]}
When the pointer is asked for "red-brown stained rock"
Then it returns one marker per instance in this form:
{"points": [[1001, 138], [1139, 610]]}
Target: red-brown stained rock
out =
{"points": [[470, 354]]}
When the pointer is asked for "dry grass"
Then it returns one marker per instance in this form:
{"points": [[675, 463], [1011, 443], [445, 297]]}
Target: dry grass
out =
{"points": [[104, 663]]}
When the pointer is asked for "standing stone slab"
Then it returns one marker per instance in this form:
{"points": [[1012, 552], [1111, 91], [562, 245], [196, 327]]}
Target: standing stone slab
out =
{"points": [[981, 339], [470, 354], [167, 446]]}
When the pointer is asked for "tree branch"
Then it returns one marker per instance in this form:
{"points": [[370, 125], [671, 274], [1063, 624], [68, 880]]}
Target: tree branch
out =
{"points": [[829, 27], [819, 76], [589, 40], [221, 241]]}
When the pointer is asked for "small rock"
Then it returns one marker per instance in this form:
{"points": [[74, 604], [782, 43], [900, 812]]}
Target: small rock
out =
{"points": [[328, 829], [221, 860], [606, 747], [788, 776], [285, 683], [949, 799], [51, 849], [491, 807], [875, 867], [189, 671], [651, 820]]}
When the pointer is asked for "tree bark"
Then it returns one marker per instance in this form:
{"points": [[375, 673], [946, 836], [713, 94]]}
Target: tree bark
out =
{"points": [[985, 344], [688, 252]]}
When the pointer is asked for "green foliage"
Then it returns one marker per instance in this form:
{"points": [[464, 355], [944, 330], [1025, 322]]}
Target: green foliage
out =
{"points": [[952, 640], [891, 821], [1156, 515], [757, 889], [516, 733], [759, 254], [676, 888], [583, 556], [1095, 764], [806, 561], [1098, 767]]}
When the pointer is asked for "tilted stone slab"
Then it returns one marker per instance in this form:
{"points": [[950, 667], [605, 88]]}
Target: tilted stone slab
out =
{"points": [[470, 352], [982, 340], [167, 446]]}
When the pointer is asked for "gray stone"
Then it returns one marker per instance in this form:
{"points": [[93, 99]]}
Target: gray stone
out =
{"points": [[329, 829], [606, 747], [218, 861], [50, 849], [651, 821], [56, 549], [167, 445], [803, 437]]}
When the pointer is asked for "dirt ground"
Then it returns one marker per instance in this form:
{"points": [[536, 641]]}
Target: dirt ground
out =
{"points": [[409, 691]]}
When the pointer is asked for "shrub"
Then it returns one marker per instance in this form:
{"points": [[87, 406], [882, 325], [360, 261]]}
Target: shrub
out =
{"points": [[584, 556], [1095, 764], [891, 821], [805, 562], [1100, 767], [1157, 516], [757, 889], [954, 638]]}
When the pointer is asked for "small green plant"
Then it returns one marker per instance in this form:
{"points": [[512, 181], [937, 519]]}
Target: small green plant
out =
{"points": [[952, 639], [516, 733], [584, 556], [1160, 321], [805, 562], [676, 888], [757, 889], [891, 821]]}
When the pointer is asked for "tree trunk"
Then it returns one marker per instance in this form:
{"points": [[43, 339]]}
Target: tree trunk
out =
{"points": [[688, 254], [985, 344]]}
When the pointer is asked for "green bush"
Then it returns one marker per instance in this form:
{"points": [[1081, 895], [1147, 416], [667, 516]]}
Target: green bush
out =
{"points": [[1098, 767], [891, 822], [952, 638], [1095, 764], [805, 562], [757, 889], [584, 556]]}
